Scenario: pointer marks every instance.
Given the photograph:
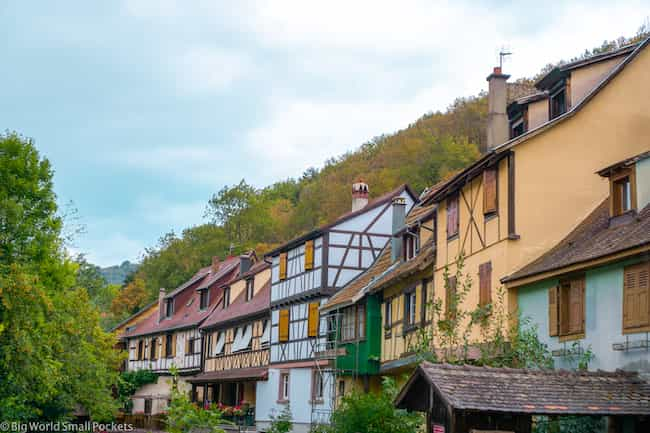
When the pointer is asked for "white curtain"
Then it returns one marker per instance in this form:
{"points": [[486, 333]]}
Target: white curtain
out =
{"points": [[218, 347], [236, 341], [242, 338], [267, 332]]}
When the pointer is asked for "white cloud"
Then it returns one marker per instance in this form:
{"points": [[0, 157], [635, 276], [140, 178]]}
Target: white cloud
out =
{"points": [[205, 69]]}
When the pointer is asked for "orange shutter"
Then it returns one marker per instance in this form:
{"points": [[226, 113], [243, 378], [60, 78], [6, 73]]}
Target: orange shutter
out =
{"points": [[485, 283], [489, 190], [636, 296], [283, 266], [174, 345], [163, 346], [553, 312], [312, 328], [283, 326], [187, 345], [309, 255]]}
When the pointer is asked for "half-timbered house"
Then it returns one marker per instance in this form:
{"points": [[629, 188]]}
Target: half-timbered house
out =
{"points": [[236, 344], [171, 339], [536, 182], [304, 273]]}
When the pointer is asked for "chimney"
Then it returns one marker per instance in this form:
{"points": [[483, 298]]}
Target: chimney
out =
{"points": [[359, 195], [245, 262], [497, 123], [161, 304], [399, 219], [215, 264]]}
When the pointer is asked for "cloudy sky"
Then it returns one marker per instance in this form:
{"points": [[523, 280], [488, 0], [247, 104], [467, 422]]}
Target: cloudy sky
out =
{"points": [[147, 107]]}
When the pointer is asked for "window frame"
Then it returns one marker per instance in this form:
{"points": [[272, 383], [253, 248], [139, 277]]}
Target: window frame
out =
{"points": [[204, 298], [491, 209], [226, 297], [452, 233], [563, 304], [169, 308], [561, 89], [284, 387], [615, 179], [250, 288], [317, 387], [388, 316], [153, 348], [348, 323], [410, 309], [169, 341]]}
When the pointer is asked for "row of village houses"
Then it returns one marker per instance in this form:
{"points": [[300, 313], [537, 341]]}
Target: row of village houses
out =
{"points": [[556, 213]]}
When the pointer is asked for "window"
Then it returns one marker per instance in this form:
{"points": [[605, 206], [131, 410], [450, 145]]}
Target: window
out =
{"points": [[341, 388], [283, 394], [283, 266], [424, 306], [140, 350], [169, 307], [452, 216], [622, 192], [388, 314], [317, 387], [169, 345], [309, 255], [361, 321], [204, 293], [485, 283], [250, 289], [411, 246], [451, 298], [636, 298], [283, 326], [226, 297], [147, 406], [517, 127], [348, 323], [557, 103], [153, 353], [410, 308], [189, 347], [490, 202], [567, 308], [312, 319]]}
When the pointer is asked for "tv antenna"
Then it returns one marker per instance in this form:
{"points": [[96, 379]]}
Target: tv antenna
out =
{"points": [[503, 53]]}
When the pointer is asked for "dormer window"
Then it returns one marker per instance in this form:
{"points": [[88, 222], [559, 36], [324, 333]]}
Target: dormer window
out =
{"points": [[169, 307], [622, 192], [226, 297], [411, 246], [250, 289], [204, 295], [558, 102], [517, 127]]}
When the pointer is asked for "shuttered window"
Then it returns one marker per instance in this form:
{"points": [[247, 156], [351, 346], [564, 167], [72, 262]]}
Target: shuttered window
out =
{"points": [[283, 266], [490, 191], [312, 320], [567, 308], [174, 337], [452, 216], [283, 326], [450, 299], [485, 283], [309, 255], [636, 297]]}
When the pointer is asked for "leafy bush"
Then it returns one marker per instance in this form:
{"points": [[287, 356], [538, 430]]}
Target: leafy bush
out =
{"points": [[373, 413], [282, 423], [129, 382]]}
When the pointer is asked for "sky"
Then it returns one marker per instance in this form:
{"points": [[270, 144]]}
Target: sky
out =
{"points": [[146, 108]]}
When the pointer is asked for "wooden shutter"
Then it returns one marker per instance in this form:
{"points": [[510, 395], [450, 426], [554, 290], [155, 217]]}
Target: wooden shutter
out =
{"points": [[636, 296], [147, 347], [312, 320], [174, 344], [283, 326], [577, 306], [452, 216], [490, 190], [163, 346], [485, 283], [309, 255], [450, 296], [283, 266], [553, 311], [187, 345]]}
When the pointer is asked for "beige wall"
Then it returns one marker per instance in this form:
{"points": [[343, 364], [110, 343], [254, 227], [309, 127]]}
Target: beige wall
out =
{"points": [[239, 286], [586, 78], [556, 184], [537, 113], [159, 393]]}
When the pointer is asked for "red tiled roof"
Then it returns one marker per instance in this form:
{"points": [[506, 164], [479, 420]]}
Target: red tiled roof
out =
{"points": [[595, 237], [240, 309], [187, 310], [250, 373], [518, 391]]}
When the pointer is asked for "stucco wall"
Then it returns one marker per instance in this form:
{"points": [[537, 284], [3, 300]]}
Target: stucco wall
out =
{"points": [[603, 320], [537, 113], [586, 78], [159, 393]]}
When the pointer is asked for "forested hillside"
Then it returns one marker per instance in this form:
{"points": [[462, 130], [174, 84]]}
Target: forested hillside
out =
{"points": [[240, 217], [118, 274]]}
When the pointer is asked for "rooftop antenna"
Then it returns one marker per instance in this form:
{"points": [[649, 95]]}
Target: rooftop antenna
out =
{"points": [[503, 53]]}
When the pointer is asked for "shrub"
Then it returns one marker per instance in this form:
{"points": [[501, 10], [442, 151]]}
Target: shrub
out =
{"points": [[282, 423]]}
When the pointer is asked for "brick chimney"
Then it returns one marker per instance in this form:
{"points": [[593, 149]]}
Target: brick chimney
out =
{"points": [[215, 264], [161, 304], [359, 195], [497, 124], [399, 219]]}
